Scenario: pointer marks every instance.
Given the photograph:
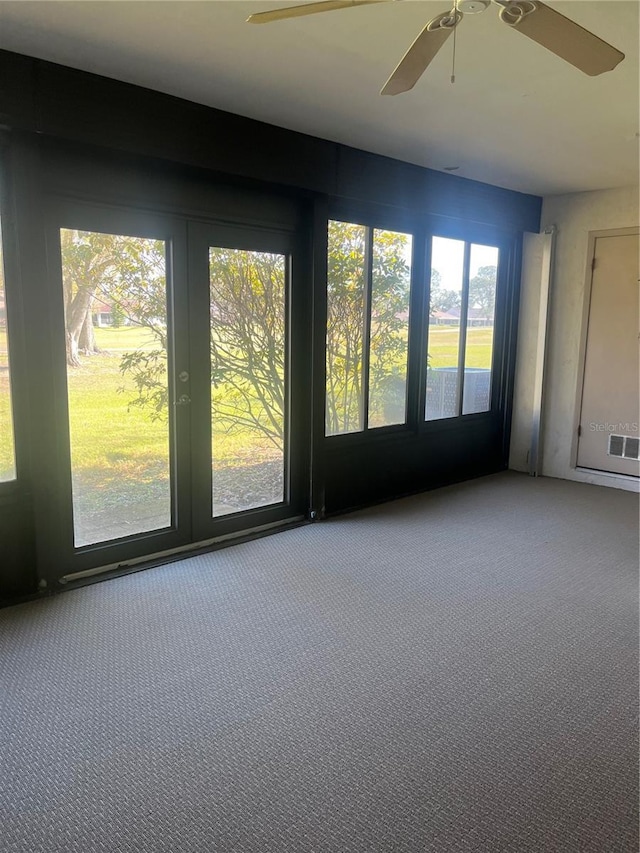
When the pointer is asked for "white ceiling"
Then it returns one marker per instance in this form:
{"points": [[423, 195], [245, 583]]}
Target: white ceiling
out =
{"points": [[517, 116]]}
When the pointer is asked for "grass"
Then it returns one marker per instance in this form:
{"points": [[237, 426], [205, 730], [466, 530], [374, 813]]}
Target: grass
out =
{"points": [[103, 423], [118, 450], [443, 346]]}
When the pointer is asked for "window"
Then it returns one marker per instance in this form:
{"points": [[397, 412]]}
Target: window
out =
{"points": [[248, 328], [7, 446], [461, 328], [368, 291], [116, 334]]}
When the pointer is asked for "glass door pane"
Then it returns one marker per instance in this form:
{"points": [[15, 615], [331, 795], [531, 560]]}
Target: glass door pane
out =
{"points": [[346, 319], [248, 335], [447, 277], [478, 356], [116, 328], [367, 342], [389, 337], [7, 449]]}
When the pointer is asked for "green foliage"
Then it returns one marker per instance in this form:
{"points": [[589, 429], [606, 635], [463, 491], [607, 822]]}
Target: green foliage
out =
{"points": [[148, 368], [127, 273], [444, 300], [482, 290], [248, 324], [345, 325], [346, 284], [440, 298], [248, 342], [390, 297], [117, 316]]}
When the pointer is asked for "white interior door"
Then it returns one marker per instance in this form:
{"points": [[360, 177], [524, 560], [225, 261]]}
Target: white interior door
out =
{"points": [[608, 435]]}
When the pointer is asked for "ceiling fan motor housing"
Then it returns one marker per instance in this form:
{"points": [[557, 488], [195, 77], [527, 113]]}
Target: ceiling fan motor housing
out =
{"points": [[472, 7]]}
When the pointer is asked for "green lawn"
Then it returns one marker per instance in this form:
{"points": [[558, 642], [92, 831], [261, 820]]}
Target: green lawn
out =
{"points": [[113, 442], [105, 429], [443, 346], [120, 456]]}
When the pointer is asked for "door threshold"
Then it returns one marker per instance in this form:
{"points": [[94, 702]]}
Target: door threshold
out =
{"points": [[193, 549]]}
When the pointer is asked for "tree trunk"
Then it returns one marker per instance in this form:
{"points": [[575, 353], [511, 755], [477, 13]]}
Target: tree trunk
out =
{"points": [[87, 339], [76, 317], [72, 350]]}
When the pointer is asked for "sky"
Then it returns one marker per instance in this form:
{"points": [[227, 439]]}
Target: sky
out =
{"points": [[447, 257]]}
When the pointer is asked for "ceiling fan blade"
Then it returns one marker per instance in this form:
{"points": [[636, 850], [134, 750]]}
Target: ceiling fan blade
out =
{"points": [[416, 60], [306, 9], [563, 37]]}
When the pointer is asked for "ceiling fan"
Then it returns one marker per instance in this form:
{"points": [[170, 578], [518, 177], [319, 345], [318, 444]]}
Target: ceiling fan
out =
{"points": [[532, 18]]}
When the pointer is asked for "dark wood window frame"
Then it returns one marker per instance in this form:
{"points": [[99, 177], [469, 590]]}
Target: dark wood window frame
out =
{"points": [[146, 135], [422, 230]]}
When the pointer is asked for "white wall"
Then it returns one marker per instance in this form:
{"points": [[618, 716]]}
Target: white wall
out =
{"points": [[575, 216]]}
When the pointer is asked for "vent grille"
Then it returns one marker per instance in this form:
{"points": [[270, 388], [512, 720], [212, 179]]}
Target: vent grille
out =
{"points": [[631, 447], [624, 446]]}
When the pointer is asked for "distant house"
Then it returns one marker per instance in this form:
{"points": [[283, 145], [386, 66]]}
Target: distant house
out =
{"points": [[102, 312], [445, 318], [451, 317]]}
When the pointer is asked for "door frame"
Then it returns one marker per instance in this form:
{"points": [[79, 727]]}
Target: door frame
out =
{"points": [[67, 564], [57, 528], [582, 352], [201, 236]]}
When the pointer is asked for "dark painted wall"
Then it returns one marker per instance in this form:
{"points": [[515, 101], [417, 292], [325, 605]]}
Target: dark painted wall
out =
{"points": [[51, 99], [78, 118]]}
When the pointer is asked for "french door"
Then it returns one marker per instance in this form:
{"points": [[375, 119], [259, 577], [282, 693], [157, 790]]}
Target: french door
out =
{"points": [[249, 367], [180, 350]]}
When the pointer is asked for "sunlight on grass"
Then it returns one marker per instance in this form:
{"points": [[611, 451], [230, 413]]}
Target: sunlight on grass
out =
{"points": [[131, 444], [113, 443], [119, 454], [443, 347]]}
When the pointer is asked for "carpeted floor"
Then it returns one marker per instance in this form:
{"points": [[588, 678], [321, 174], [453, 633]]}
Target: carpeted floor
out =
{"points": [[451, 672]]}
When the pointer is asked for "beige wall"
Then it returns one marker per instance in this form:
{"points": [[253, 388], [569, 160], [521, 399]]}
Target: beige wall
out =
{"points": [[575, 216]]}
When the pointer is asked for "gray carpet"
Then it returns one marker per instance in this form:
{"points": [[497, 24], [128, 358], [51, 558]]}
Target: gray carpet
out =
{"points": [[451, 672]]}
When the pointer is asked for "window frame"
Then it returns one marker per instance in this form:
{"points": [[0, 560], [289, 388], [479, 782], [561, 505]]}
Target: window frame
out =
{"points": [[422, 229], [374, 219], [505, 316], [464, 329], [10, 490]]}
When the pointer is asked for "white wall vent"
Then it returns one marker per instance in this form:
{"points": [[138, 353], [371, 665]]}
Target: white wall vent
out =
{"points": [[632, 448], [624, 446]]}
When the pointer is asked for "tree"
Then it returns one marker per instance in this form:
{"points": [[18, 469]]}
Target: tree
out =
{"points": [[442, 300], [85, 264], [345, 325], [248, 342], [445, 300], [388, 346], [127, 272], [346, 288], [482, 290], [117, 315]]}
